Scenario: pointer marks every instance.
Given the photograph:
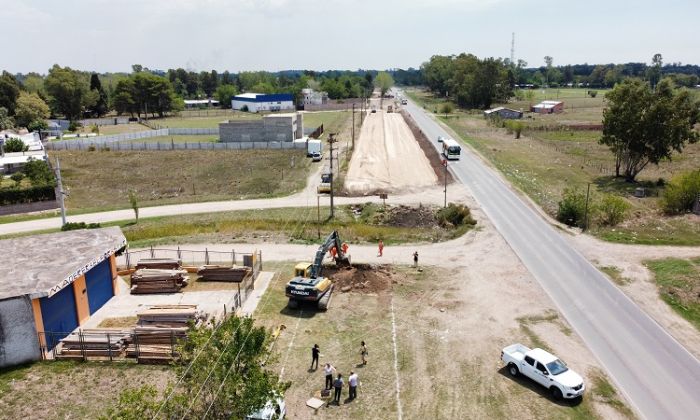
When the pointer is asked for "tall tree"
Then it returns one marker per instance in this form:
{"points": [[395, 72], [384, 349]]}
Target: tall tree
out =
{"points": [[6, 121], [224, 94], [227, 381], [67, 90], [101, 105], [31, 111], [383, 81], [654, 72], [642, 127], [9, 92]]}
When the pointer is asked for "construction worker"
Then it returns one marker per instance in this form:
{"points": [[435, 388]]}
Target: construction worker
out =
{"points": [[381, 248], [344, 247], [334, 252], [315, 352], [415, 259]]}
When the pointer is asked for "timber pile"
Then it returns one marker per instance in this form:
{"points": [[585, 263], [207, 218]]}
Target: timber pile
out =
{"points": [[224, 273], [147, 280], [159, 263], [99, 342], [159, 329]]}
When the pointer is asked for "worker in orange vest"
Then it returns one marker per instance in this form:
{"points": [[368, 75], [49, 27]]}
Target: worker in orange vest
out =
{"points": [[334, 252], [344, 247]]}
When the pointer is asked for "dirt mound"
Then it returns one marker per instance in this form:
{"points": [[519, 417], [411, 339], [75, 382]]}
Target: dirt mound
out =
{"points": [[362, 278], [405, 216]]}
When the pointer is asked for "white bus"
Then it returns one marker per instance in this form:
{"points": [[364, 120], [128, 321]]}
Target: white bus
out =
{"points": [[451, 149]]}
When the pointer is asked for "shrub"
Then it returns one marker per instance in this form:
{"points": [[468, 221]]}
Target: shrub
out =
{"points": [[680, 193], [74, 126], [515, 127], [446, 108], [17, 177], [572, 207], [612, 210], [38, 172], [27, 195], [13, 145], [455, 215], [79, 225], [593, 93]]}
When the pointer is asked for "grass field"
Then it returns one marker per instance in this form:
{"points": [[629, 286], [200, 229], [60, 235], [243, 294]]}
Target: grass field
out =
{"points": [[679, 286], [543, 163], [88, 389], [106, 130], [280, 225], [203, 122], [333, 121], [100, 180]]}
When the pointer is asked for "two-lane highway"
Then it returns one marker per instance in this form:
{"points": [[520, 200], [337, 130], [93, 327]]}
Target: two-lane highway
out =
{"points": [[656, 373]]}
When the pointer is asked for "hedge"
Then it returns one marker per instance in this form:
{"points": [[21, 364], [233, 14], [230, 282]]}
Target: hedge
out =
{"points": [[27, 195]]}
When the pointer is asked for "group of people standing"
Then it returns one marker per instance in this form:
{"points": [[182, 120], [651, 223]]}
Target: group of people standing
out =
{"points": [[338, 383]]}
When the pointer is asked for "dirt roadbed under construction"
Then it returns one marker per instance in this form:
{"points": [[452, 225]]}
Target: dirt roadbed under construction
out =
{"points": [[387, 158]]}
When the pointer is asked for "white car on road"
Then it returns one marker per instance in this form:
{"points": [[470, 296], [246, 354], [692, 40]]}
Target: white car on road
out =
{"points": [[545, 369]]}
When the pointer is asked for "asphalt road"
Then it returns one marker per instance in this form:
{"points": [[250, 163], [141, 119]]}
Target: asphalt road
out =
{"points": [[656, 373]]}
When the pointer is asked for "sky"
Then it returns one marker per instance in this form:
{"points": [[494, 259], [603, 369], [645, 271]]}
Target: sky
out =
{"points": [[241, 35]]}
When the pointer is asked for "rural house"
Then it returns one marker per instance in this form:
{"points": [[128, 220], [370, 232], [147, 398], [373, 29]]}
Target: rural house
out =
{"points": [[504, 113], [548, 107], [51, 285]]}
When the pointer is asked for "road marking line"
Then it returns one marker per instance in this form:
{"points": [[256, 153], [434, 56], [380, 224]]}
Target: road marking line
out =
{"points": [[396, 362], [289, 347]]}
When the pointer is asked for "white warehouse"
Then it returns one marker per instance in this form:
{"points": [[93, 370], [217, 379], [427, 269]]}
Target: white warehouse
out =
{"points": [[257, 102]]}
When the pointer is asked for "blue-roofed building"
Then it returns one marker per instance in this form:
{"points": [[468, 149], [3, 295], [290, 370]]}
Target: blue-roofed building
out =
{"points": [[256, 102]]}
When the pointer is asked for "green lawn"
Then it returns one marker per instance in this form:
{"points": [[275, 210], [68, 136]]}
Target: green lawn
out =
{"points": [[679, 285], [202, 122], [204, 138]]}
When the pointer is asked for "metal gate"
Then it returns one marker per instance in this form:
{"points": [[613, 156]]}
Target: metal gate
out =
{"points": [[59, 315], [99, 285]]}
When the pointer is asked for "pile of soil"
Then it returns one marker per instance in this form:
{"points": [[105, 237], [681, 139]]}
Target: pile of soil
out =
{"points": [[405, 216], [433, 156], [362, 278]]}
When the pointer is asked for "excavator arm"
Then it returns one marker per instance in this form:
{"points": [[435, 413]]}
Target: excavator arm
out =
{"points": [[333, 240]]}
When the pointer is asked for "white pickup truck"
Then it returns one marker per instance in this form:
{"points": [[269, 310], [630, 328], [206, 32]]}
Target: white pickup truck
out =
{"points": [[545, 369]]}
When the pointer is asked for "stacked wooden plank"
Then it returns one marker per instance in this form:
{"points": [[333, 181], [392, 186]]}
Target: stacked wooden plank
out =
{"points": [[100, 342], [149, 280], [159, 329], [224, 273], [159, 263]]}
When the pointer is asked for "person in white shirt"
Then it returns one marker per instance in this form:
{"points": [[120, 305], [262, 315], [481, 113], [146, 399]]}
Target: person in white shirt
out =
{"points": [[352, 382], [329, 369]]}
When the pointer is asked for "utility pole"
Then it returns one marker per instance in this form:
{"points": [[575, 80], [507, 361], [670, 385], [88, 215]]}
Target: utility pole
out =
{"points": [[331, 139], [353, 126], [585, 213], [444, 163], [60, 192]]}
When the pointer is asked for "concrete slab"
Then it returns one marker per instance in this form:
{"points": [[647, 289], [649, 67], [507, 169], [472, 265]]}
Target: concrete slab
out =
{"points": [[261, 284]]}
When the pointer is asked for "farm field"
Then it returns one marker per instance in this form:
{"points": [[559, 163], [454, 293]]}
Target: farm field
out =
{"points": [[572, 159], [101, 180]]}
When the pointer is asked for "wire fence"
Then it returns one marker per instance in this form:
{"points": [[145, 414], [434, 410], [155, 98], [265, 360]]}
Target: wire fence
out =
{"points": [[135, 145]]}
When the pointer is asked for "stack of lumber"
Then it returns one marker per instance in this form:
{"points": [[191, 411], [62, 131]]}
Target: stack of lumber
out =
{"points": [[224, 273], [99, 342], [148, 280], [159, 329], [159, 263]]}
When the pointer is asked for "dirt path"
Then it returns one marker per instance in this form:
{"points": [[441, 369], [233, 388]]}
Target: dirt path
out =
{"points": [[639, 284], [387, 157]]}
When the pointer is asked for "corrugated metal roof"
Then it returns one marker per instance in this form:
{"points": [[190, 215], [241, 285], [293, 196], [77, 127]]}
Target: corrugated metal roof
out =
{"points": [[42, 265]]}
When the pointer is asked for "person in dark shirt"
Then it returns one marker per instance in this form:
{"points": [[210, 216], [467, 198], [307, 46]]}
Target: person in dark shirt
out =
{"points": [[315, 352], [338, 385]]}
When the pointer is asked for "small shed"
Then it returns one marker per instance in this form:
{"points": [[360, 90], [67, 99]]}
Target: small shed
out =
{"points": [[504, 113], [51, 285], [548, 107]]}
